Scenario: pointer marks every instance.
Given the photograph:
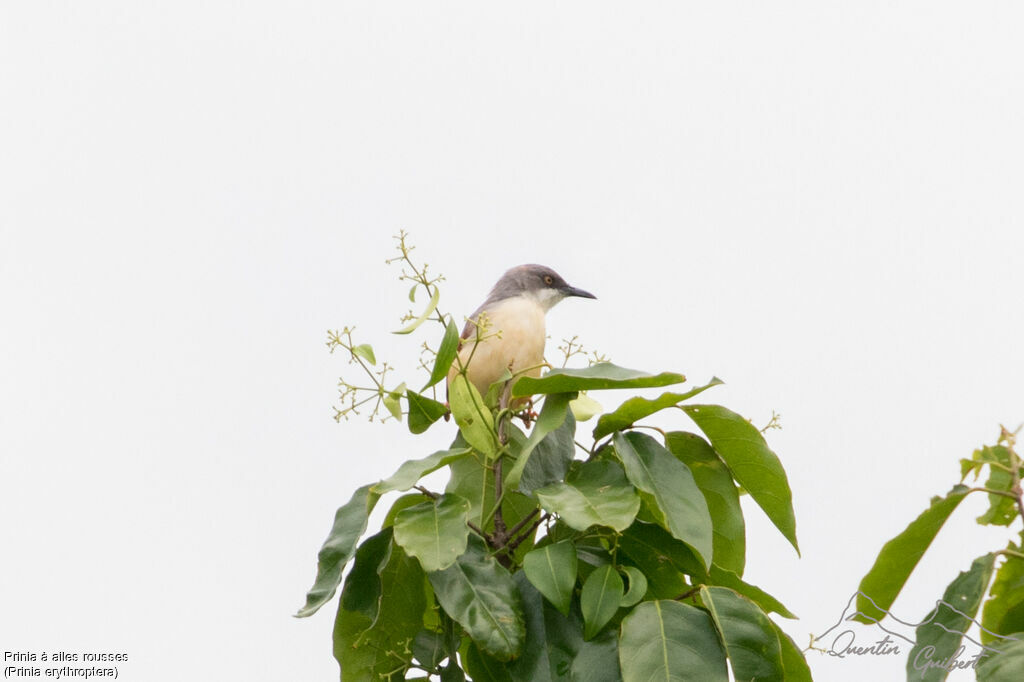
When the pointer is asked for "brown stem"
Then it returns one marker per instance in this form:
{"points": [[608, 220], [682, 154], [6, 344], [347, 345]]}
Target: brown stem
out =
{"points": [[519, 540], [428, 493], [526, 519], [689, 593]]}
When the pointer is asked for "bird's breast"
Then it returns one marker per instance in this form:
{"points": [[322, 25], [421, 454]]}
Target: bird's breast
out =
{"points": [[514, 340]]}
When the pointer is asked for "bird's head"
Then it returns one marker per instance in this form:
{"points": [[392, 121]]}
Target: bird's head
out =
{"points": [[538, 282]]}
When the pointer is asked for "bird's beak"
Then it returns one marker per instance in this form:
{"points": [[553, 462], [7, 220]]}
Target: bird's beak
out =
{"points": [[573, 291]]}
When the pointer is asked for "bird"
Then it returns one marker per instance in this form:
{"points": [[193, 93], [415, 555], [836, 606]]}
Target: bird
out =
{"points": [[511, 326]]}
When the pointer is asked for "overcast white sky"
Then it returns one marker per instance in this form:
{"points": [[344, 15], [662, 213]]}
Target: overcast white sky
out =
{"points": [[819, 202]]}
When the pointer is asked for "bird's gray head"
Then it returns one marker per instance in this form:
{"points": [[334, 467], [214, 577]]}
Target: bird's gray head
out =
{"points": [[538, 282]]}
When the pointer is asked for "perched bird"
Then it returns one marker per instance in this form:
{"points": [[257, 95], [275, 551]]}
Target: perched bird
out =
{"points": [[511, 325]]}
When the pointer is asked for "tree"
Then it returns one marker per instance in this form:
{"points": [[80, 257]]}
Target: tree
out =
{"points": [[546, 559], [939, 635]]}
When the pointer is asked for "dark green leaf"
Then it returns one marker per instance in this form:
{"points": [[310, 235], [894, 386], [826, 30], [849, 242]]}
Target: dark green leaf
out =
{"points": [[452, 673], [379, 646], [637, 586], [551, 457], [598, 660], [423, 411], [663, 559], [793, 662], [476, 423], [428, 648], [362, 587], [484, 668], [1007, 666], [601, 375], [445, 354], [943, 628], [750, 639], [900, 555], [600, 599], [349, 524], [552, 415], [1004, 609], [752, 463], [480, 596], [597, 494], [668, 487], [552, 570], [427, 312], [635, 409], [670, 641], [715, 482], [434, 532], [767, 603], [365, 351]]}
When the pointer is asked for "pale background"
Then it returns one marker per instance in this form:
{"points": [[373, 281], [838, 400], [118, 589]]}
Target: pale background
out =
{"points": [[819, 202]]}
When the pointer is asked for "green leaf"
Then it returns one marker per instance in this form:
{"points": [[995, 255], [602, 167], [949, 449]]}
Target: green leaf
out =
{"points": [[1007, 666], [378, 645], [392, 401], [362, 587], [552, 415], [585, 408], [793, 662], [750, 639], [635, 409], [943, 628], [427, 312], [476, 423], [411, 471], [900, 555], [597, 494], [766, 602], [599, 376], [1002, 510], [349, 523], [598, 660], [1004, 609], [637, 586], [484, 668], [480, 596], [599, 599], [552, 570], [365, 351], [752, 463], [445, 354], [423, 411], [473, 480], [428, 648], [549, 462], [552, 641], [668, 487], [715, 482], [412, 293], [663, 559], [670, 641], [434, 532]]}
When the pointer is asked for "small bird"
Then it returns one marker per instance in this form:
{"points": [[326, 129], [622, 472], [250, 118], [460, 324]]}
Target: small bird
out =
{"points": [[511, 323]]}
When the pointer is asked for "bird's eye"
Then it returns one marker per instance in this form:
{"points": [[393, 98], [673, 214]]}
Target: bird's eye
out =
{"points": [[548, 280]]}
